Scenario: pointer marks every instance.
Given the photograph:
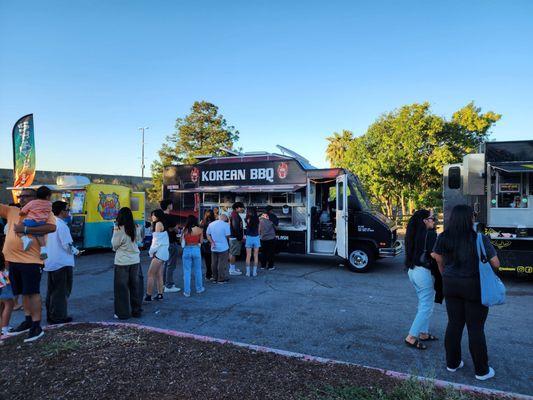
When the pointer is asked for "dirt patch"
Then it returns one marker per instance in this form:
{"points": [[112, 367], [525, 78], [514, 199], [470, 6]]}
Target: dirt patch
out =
{"points": [[88, 361]]}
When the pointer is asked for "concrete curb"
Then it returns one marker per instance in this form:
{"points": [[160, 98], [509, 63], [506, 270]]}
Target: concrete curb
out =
{"points": [[306, 357]]}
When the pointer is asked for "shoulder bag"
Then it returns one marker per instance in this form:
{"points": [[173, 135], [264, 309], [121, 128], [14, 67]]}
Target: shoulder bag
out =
{"points": [[492, 288]]}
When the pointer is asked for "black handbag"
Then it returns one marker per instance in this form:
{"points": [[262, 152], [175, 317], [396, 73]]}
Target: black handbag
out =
{"points": [[425, 259]]}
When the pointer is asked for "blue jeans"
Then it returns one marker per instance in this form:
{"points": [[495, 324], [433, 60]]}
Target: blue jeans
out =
{"points": [[423, 282], [192, 261]]}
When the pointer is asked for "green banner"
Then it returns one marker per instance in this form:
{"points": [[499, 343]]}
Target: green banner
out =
{"points": [[23, 152]]}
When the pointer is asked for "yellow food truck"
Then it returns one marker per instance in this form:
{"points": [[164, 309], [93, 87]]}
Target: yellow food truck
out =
{"points": [[94, 208]]}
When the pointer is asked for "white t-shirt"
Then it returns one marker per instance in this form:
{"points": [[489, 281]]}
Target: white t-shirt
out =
{"points": [[219, 232], [58, 249]]}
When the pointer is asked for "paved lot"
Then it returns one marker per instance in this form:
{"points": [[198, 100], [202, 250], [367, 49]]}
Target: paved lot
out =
{"points": [[314, 306]]}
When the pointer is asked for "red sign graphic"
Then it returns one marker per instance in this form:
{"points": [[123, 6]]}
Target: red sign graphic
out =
{"points": [[195, 174], [283, 170]]}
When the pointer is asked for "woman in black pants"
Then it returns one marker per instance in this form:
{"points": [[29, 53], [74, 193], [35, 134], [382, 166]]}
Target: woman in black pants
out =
{"points": [[456, 255], [209, 217]]}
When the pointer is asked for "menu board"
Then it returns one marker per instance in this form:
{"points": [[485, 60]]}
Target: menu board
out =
{"points": [[509, 188], [78, 198]]}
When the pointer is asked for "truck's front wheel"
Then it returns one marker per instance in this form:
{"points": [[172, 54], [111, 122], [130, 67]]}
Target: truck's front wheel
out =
{"points": [[361, 258]]}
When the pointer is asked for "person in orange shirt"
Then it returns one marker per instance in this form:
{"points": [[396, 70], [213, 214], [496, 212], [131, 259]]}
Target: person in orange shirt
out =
{"points": [[25, 266]]}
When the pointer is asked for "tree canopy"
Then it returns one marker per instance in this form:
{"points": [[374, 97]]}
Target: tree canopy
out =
{"points": [[400, 157], [203, 131]]}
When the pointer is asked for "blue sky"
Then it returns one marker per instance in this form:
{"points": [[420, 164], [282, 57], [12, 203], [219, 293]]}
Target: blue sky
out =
{"points": [[282, 72]]}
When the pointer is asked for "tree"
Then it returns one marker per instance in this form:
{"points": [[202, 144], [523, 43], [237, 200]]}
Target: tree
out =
{"points": [[337, 147], [202, 132], [400, 157]]}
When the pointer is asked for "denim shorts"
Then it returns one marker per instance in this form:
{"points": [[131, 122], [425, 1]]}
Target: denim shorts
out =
{"points": [[30, 223], [253, 242], [6, 293]]}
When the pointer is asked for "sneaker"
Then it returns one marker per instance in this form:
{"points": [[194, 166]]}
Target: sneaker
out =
{"points": [[186, 294], [223, 282], [489, 375], [159, 296], [7, 331], [235, 272], [200, 291], [26, 242], [172, 289], [35, 334], [148, 297], [23, 327], [247, 271], [271, 268], [254, 271], [461, 365]]}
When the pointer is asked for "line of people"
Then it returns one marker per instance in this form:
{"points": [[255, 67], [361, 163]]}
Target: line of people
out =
{"points": [[447, 267], [218, 241]]}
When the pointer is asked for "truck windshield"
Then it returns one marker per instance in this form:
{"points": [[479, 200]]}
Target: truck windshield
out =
{"points": [[357, 189]]}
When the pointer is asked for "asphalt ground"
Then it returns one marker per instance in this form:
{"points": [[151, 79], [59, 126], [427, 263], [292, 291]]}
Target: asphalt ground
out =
{"points": [[314, 306]]}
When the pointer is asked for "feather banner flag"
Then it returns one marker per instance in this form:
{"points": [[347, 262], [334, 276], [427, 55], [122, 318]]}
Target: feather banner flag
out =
{"points": [[23, 152]]}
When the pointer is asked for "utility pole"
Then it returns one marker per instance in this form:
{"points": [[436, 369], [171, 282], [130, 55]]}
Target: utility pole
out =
{"points": [[142, 150]]}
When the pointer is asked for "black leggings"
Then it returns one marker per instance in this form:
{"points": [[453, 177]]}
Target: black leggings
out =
{"points": [[463, 304], [268, 251]]}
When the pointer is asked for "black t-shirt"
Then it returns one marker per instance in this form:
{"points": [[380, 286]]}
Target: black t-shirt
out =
{"points": [[171, 221], [421, 245], [469, 267]]}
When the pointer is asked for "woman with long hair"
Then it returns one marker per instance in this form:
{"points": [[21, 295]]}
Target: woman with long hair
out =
{"points": [[458, 260], [192, 259], [128, 296], [209, 217], [253, 241], [159, 253], [420, 237]]}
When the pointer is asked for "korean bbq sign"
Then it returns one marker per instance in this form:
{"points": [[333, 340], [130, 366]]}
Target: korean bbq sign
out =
{"points": [[246, 173]]}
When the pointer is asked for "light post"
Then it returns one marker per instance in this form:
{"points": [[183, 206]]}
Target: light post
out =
{"points": [[142, 150]]}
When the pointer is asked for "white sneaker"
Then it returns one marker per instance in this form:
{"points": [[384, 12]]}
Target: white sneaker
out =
{"points": [[248, 271], [6, 331], [235, 272], [200, 291], [172, 289], [461, 365], [254, 271], [489, 375], [26, 242]]}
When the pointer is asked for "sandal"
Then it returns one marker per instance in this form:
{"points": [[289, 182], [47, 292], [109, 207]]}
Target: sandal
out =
{"points": [[416, 345], [430, 338]]}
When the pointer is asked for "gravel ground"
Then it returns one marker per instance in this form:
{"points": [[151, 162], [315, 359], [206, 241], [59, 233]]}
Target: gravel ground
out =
{"points": [[93, 362]]}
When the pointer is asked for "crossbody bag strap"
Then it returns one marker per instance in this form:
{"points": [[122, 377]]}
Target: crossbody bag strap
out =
{"points": [[482, 253]]}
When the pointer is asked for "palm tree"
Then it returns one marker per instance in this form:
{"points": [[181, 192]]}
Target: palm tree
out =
{"points": [[337, 147]]}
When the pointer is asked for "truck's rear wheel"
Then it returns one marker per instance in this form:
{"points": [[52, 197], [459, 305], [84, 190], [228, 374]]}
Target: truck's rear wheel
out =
{"points": [[360, 258]]}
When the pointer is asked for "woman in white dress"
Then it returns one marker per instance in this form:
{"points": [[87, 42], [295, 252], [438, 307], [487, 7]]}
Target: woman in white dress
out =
{"points": [[159, 254]]}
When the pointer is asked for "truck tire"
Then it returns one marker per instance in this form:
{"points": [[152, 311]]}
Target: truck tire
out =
{"points": [[361, 258]]}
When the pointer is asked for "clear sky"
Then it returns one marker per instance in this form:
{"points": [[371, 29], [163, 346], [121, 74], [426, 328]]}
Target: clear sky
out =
{"points": [[282, 72]]}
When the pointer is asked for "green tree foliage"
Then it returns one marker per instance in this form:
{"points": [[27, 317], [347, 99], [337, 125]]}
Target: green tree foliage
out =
{"points": [[203, 131], [400, 157]]}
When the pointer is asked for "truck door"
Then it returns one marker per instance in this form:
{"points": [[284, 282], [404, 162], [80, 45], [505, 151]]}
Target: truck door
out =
{"points": [[311, 192], [342, 216]]}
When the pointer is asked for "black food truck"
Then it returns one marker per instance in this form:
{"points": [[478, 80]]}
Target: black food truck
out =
{"points": [[322, 212], [498, 183]]}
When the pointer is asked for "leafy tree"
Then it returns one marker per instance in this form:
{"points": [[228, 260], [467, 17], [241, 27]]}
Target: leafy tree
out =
{"points": [[203, 131], [337, 147], [400, 157]]}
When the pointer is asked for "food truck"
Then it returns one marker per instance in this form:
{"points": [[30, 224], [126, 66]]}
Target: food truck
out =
{"points": [[94, 208], [321, 212], [498, 183]]}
